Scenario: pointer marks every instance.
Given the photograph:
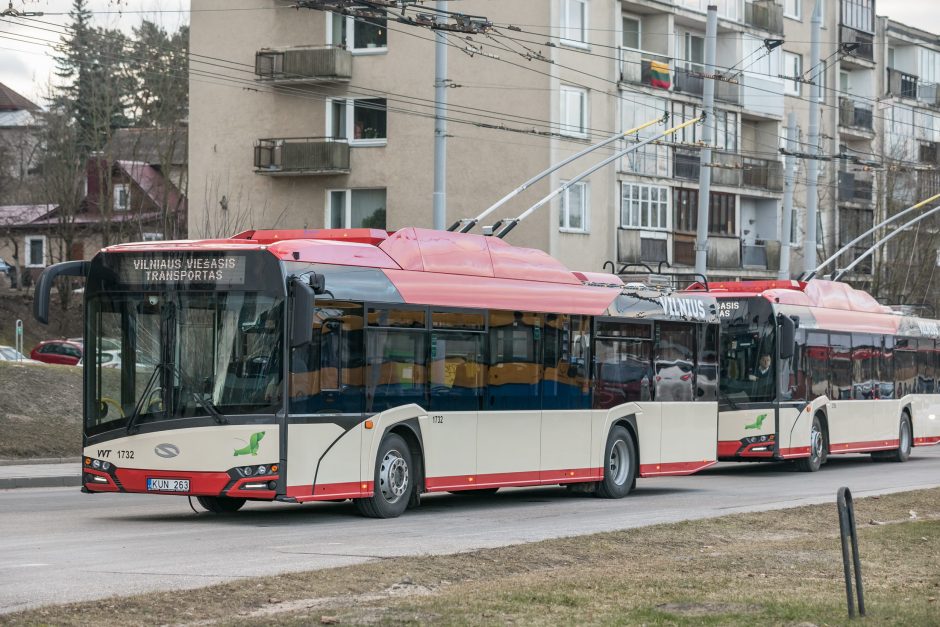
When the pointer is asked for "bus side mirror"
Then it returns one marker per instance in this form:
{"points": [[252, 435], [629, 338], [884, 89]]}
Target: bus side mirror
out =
{"points": [[301, 313], [786, 336], [41, 294]]}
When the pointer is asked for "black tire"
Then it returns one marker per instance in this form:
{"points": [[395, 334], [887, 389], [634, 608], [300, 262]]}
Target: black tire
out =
{"points": [[905, 440], [619, 465], [818, 448], [479, 492], [393, 480], [221, 504]]}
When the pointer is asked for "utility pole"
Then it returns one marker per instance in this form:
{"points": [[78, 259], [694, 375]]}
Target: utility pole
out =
{"points": [[789, 179], [812, 196], [440, 121], [705, 171]]}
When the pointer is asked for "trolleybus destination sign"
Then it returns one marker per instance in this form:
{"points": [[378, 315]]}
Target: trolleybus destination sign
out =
{"points": [[152, 269]]}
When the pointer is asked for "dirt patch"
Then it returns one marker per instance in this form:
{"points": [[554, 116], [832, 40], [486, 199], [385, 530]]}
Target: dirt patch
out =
{"points": [[691, 573], [40, 410]]}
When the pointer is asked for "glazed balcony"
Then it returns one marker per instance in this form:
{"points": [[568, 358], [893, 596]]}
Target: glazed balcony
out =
{"points": [[764, 14]]}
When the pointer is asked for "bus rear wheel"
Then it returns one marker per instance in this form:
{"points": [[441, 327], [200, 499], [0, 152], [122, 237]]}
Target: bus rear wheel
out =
{"points": [[905, 441], [818, 448], [221, 504], [393, 480], [619, 465]]}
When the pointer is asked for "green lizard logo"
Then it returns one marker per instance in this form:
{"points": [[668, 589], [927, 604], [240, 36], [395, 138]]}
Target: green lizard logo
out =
{"points": [[755, 425], [252, 447]]}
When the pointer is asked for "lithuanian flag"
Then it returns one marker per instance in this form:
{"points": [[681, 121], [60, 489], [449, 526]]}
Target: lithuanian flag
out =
{"points": [[659, 74]]}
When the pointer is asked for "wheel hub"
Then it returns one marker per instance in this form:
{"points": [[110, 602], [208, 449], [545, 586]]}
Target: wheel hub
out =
{"points": [[619, 462], [393, 476]]}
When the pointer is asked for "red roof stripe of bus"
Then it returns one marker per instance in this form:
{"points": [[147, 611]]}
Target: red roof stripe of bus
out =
{"points": [[443, 290], [815, 293]]}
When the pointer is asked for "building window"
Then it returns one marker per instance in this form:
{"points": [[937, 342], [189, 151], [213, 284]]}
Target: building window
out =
{"points": [[821, 80], [793, 68], [631, 33], [152, 237], [36, 251], [644, 206], [355, 209], [794, 228], [721, 213], [122, 197], [859, 14], [793, 8], [574, 20], [573, 112], [572, 215], [362, 35], [362, 122], [726, 131], [694, 53]]}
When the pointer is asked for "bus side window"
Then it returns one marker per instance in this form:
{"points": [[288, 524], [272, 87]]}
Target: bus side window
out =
{"points": [[674, 362], [706, 379], [905, 366], [886, 369], [565, 383], [816, 365], [515, 368]]}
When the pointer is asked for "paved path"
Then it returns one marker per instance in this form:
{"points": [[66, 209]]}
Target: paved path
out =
{"points": [[45, 475], [59, 545]]}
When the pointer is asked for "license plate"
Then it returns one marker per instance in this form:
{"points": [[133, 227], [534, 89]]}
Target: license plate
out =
{"points": [[168, 485]]}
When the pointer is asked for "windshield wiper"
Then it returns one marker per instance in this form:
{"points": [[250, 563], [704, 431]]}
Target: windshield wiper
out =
{"points": [[209, 407], [146, 395]]}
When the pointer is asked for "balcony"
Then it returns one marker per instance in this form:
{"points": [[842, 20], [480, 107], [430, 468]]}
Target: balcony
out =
{"points": [[928, 183], [689, 80], [905, 85], [855, 187], [864, 47], [853, 115], [764, 14], [766, 174], [687, 164], [303, 65], [645, 68], [761, 255], [302, 156]]}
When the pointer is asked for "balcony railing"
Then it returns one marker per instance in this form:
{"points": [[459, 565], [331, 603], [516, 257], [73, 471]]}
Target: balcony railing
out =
{"points": [[928, 183], [687, 164], [726, 169], [905, 85], [855, 187], [854, 115], [645, 68], [302, 156], [865, 43], [690, 80], [305, 64], [762, 173], [764, 14]]}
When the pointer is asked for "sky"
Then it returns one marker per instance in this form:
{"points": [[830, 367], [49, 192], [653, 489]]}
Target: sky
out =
{"points": [[28, 67]]}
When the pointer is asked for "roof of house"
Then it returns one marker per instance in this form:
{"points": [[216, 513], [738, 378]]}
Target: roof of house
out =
{"points": [[13, 215], [154, 184], [16, 119], [13, 101]]}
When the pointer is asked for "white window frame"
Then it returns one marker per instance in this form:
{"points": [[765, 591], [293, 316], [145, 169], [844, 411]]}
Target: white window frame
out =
{"points": [[350, 104], [799, 10], [564, 205], [351, 37], [116, 194], [567, 129], [792, 87], [639, 30], [347, 212], [564, 21], [152, 236], [647, 209], [45, 251]]}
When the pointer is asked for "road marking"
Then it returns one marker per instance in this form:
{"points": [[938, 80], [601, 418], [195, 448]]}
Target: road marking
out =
{"points": [[27, 565]]}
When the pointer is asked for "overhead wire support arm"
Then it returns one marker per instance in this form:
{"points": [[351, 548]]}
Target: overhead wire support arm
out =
{"points": [[501, 228], [465, 225]]}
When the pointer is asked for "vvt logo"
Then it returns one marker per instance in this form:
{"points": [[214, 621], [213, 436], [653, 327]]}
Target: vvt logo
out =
{"points": [[166, 451]]}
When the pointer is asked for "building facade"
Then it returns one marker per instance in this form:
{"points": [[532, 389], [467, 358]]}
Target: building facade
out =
{"points": [[330, 123]]}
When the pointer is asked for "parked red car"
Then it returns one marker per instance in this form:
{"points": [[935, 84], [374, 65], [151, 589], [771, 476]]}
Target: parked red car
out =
{"points": [[65, 352]]}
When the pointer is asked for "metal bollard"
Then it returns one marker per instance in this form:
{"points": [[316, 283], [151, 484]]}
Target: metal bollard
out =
{"points": [[847, 528]]}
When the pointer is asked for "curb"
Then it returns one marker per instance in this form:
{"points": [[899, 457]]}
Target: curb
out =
{"points": [[10, 483], [39, 460]]}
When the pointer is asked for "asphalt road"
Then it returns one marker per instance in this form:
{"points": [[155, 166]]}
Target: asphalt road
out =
{"points": [[58, 545]]}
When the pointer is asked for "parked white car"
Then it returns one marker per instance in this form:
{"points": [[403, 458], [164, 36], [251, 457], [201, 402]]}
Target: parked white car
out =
{"points": [[8, 353]]}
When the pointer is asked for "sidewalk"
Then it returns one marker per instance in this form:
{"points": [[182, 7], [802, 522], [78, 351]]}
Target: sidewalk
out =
{"points": [[32, 473]]}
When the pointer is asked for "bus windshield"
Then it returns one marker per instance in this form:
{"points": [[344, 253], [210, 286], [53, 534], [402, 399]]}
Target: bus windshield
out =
{"points": [[747, 360], [172, 354]]}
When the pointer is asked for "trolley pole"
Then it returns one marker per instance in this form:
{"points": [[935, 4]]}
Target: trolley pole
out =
{"points": [[705, 172], [440, 121], [789, 178], [812, 196]]}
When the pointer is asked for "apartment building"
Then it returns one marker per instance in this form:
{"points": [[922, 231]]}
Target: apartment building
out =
{"points": [[333, 127]]}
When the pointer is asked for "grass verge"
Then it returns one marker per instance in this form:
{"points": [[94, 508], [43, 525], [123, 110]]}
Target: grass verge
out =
{"points": [[781, 567], [40, 411]]}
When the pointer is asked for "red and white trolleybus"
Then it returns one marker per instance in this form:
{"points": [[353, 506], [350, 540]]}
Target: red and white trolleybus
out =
{"points": [[357, 364], [812, 369]]}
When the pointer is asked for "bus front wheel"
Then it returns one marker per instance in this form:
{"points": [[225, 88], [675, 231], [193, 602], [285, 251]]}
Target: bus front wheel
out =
{"points": [[818, 448], [393, 480], [619, 465], [221, 504]]}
